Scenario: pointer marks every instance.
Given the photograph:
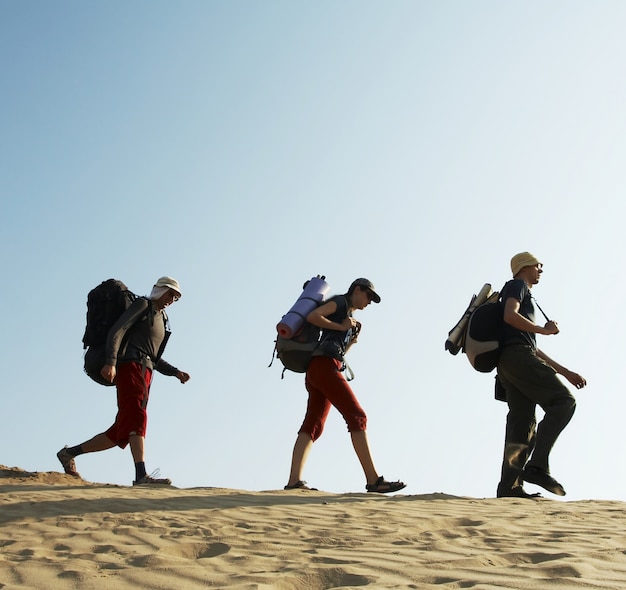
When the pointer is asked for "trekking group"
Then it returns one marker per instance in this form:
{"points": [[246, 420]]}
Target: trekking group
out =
{"points": [[126, 336]]}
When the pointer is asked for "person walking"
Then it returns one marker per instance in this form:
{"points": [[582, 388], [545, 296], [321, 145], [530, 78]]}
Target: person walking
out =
{"points": [[529, 378], [134, 347], [327, 386]]}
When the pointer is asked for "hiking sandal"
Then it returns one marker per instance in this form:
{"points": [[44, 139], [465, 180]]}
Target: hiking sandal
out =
{"points": [[382, 486], [299, 485]]}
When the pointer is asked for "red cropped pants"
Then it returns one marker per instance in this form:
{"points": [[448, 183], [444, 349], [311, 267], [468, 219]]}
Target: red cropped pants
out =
{"points": [[327, 386]]}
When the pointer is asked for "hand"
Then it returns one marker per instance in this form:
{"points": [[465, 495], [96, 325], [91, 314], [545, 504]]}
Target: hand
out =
{"points": [[183, 377], [355, 333], [108, 373], [578, 381], [550, 328], [348, 323]]}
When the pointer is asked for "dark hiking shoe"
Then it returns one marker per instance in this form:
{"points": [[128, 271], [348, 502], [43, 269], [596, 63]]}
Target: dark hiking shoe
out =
{"points": [[153, 480], [544, 479], [69, 465], [517, 492]]}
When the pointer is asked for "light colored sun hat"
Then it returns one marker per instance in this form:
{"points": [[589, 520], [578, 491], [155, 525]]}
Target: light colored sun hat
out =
{"points": [[169, 283], [519, 261]]}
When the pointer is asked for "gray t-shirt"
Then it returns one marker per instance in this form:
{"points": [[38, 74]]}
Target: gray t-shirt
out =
{"points": [[139, 333]]}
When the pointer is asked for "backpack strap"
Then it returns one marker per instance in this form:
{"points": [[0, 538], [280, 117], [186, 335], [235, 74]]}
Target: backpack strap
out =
{"points": [[168, 333], [339, 315], [532, 298], [274, 355], [539, 308]]}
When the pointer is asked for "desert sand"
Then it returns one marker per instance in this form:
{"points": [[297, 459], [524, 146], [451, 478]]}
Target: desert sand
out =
{"points": [[60, 532]]}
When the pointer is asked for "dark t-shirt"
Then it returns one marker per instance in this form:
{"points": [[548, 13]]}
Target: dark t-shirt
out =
{"points": [[333, 342], [518, 290]]}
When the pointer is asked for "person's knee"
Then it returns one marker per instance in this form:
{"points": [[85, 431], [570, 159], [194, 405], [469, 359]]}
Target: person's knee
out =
{"points": [[314, 431], [317, 432], [564, 404], [357, 423]]}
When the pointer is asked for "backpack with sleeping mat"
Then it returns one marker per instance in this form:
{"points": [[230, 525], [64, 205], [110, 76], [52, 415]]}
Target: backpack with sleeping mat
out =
{"points": [[484, 334], [479, 331], [297, 339]]}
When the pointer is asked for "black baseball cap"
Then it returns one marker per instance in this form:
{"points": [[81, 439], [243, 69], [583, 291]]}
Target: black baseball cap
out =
{"points": [[367, 284]]}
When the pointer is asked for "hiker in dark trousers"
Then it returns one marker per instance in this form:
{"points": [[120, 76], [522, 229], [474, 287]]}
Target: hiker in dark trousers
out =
{"points": [[327, 385], [133, 349], [529, 378]]}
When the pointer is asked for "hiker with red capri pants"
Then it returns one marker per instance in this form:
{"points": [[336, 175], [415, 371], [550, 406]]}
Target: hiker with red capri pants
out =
{"points": [[327, 386]]}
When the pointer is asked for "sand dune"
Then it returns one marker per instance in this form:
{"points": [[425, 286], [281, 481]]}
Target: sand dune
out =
{"points": [[61, 532]]}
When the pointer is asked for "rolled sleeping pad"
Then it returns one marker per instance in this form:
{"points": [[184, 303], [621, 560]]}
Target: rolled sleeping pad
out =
{"points": [[314, 293], [454, 343]]}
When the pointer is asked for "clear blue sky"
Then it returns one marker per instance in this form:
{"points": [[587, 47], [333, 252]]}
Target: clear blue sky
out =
{"points": [[243, 147]]}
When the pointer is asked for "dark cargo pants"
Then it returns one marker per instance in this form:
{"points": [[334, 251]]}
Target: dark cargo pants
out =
{"points": [[529, 382]]}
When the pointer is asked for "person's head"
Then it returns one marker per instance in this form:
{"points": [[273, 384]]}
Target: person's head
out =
{"points": [[361, 293], [165, 291], [526, 266]]}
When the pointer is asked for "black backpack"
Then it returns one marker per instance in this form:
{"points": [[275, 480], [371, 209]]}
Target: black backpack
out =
{"points": [[483, 335], [105, 304], [485, 331]]}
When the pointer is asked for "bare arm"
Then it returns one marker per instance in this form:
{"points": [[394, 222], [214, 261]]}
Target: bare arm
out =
{"points": [[514, 318], [319, 317], [575, 379], [116, 333]]}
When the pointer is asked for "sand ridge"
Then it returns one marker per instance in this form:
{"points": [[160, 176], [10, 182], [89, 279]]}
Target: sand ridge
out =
{"points": [[60, 532]]}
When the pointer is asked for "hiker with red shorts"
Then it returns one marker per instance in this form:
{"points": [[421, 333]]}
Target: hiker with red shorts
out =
{"points": [[134, 347], [327, 386]]}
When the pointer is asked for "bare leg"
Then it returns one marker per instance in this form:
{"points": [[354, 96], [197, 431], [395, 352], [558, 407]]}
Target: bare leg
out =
{"points": [[301, 450], [100, 442], [362, 449]]}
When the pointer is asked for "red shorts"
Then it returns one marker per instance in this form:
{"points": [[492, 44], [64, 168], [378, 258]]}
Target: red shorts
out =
{"points": [[327, 386], [133, 386]]}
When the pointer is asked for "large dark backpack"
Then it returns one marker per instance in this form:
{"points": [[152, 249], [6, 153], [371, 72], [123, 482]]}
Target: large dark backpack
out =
{"points": [[485, 327], [484, 334], [105, 304]]}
